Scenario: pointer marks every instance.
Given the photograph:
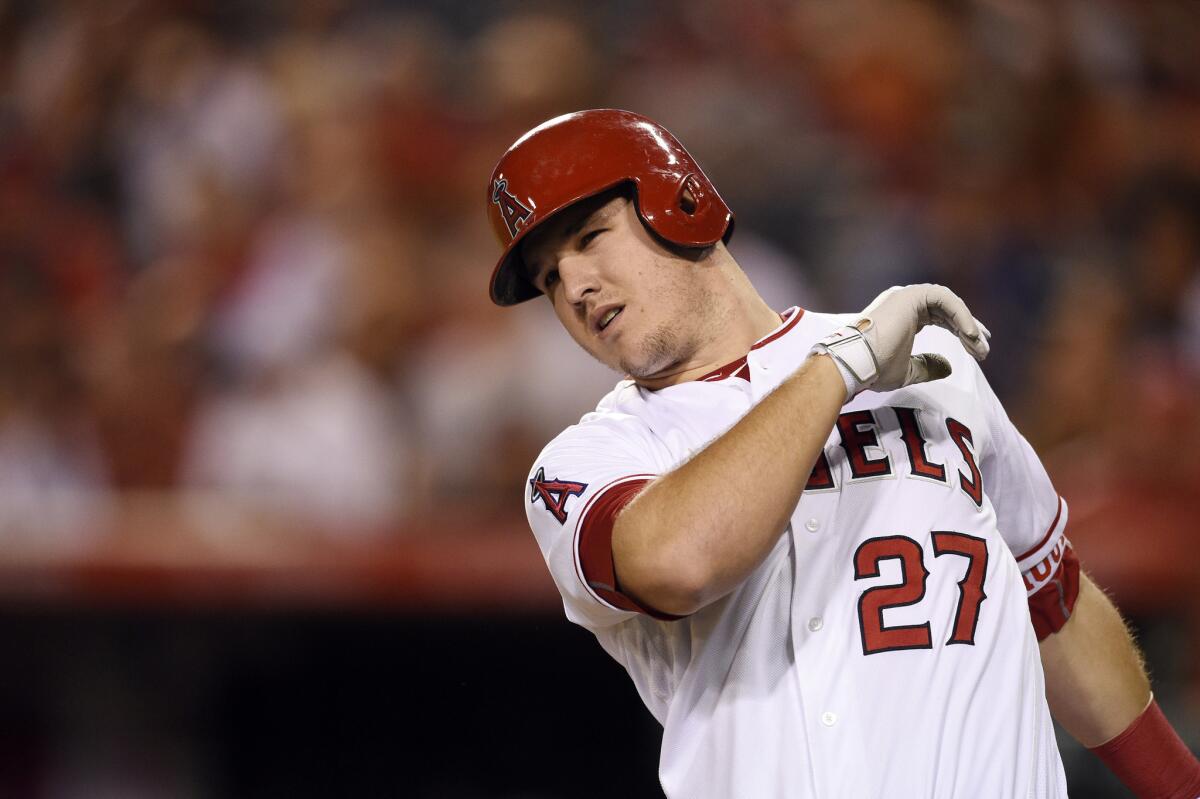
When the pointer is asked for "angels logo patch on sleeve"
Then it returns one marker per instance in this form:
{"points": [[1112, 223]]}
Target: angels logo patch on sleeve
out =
{"points": [[553, 493]]}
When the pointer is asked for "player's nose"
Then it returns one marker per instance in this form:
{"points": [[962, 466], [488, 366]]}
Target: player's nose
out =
{"points": [[579, 277]]}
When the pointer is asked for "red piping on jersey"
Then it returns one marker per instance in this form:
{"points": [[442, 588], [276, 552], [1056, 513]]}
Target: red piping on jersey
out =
{"points": [[740, 368], [790, 324], [1046, 537]]}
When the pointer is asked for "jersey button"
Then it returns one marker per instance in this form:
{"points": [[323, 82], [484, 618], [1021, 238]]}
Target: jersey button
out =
{"points": [[828, 719], [812, 525], [815, 624]]}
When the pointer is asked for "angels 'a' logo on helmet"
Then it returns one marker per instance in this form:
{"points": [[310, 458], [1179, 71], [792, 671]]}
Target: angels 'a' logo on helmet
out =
{"points": [[515, 214]]}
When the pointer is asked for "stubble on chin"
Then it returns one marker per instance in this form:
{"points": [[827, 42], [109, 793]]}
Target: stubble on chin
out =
{"points": [[657, 352]]}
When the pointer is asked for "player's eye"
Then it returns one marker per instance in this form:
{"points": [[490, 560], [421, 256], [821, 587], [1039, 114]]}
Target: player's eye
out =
{"points": [[550, 279], [587, 238]]}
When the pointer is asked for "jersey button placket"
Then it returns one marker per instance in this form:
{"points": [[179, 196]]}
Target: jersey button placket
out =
{"points": [[812, 525]]}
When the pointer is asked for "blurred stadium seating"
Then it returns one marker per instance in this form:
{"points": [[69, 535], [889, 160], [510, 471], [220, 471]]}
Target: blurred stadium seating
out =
{"points": [[260, 426]]}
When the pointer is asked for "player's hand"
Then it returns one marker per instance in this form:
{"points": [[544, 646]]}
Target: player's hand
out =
{"points": [[894, 318], [888, 326]]}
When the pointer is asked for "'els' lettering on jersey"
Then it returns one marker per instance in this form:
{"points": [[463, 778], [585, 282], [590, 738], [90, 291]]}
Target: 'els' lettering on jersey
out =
{"points": [[861, 437]]}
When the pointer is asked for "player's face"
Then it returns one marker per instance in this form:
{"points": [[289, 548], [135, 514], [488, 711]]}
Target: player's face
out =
{"points": [[629, 301]]}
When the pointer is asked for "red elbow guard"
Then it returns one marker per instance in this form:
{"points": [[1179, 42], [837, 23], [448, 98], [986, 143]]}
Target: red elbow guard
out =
{"points": [[1151, 760]]}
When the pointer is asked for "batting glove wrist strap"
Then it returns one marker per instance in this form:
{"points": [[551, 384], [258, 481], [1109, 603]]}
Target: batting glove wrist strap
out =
{"points": [[854, 358]]}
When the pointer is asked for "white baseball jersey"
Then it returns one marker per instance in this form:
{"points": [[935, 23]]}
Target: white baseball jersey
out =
{"points": [[884, 646]]}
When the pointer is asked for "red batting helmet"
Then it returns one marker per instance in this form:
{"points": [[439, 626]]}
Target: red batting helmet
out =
{"points": [[576, 156]]}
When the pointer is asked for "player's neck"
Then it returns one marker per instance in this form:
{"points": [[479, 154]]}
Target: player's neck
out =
{"points": [[738, 321]]}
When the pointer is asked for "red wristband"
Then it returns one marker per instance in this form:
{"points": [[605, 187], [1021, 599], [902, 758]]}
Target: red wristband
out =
{"points": [[1151, 760]]}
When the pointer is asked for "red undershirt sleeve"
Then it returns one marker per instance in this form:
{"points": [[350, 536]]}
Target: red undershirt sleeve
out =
{"points": [[1051, 574], [595, 545]]}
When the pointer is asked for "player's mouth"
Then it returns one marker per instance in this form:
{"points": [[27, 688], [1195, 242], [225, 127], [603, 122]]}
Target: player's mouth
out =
{"points": [[604, 318]]}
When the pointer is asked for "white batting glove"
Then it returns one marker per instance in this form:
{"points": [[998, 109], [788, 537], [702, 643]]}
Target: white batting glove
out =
{"points": [[876, 352]]}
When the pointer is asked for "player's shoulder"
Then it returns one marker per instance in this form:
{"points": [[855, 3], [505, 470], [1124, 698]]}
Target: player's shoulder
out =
{"points": [[615, 424], [622, 400], [818, 323], [606, 447]]}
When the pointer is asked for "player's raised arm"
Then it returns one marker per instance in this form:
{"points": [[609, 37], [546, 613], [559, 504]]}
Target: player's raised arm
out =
{"points": [[1098, 690], [693, 535], [1096, 686]]}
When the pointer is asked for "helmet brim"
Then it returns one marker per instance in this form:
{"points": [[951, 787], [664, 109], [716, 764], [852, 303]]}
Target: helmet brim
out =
{"points": [[509, 285]]}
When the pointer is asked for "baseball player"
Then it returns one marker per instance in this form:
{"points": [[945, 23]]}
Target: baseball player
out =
{"points": [[826, 563]]}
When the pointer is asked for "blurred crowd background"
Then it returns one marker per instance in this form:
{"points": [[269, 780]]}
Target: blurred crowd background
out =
{"points": [[244, 255]]}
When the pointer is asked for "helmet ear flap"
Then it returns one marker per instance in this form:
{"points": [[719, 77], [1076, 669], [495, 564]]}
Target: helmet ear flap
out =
{"points": [[687, 212]]}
